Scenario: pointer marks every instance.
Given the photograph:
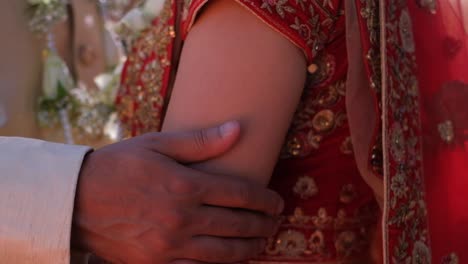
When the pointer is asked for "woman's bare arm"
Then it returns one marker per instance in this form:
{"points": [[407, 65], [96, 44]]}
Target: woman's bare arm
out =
{"points": [[234, 66]]}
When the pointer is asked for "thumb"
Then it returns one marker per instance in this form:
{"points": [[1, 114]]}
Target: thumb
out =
{"points": [[197, 145]]}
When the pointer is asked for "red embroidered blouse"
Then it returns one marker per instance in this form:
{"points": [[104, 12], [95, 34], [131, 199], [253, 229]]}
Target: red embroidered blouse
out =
{"points": [[330, 211]]}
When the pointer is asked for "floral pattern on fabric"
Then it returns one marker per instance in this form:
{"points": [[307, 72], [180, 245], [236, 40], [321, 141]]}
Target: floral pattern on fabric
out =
{"points": [[140, 100], [309, 24], [406, 231]]}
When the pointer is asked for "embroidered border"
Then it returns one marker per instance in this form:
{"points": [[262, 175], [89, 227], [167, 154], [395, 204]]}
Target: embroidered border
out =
{"points": [[405, 219], [308, 24]]}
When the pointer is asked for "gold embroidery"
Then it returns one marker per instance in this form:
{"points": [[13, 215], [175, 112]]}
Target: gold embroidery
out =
{"points": [[398, 144], [326, 67], [315, 119], [305, 237], [306, 187], [446, 131], [317, 242], [406, 211], [451, 259], [406, 32], [314, 140], [347, 146], [348, 194], [312, 68], [315, 29], [430, 5], [140, 100], [341, 219], [346, 242], [370, 12], [323, 121], [291, 243], [322, 219], [298, 218], [421, 253]]}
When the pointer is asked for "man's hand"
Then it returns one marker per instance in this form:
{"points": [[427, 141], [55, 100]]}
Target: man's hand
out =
{"points": [[137, 204]]}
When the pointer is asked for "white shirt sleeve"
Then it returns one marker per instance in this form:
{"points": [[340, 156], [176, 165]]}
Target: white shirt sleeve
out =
{"points": [[37, 191]]}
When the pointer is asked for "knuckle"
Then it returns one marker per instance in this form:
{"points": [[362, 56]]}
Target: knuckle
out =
{"points": [[163, 244], [176, 220], [182, 186]]}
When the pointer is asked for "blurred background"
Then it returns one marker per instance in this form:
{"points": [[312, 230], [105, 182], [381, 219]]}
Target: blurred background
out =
{"points": [[60, 69]]}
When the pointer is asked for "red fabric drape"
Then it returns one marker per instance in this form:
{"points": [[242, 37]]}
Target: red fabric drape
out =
{"points": [[442, 53]]}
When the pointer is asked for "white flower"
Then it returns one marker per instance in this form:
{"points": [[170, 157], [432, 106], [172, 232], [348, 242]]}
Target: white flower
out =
{"points": [[132, 23], [139, 18], [43, 2], [152, 8], [55, 72], [103, 80], [112, 128], [37, 2], [108, 84]]}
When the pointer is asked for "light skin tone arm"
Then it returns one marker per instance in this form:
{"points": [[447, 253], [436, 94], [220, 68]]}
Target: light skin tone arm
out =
{"points": [[235, 67]]}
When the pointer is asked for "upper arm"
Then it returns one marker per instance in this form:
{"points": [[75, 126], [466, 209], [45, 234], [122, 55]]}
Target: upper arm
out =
{"points": [[233, 66]]}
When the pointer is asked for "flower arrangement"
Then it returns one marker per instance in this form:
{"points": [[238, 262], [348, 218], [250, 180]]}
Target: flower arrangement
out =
{"points": [[90, 112], [45, 13]]}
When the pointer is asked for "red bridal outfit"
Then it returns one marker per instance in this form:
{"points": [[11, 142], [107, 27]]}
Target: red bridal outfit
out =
{"points": [[330, 211], [357, 134]]}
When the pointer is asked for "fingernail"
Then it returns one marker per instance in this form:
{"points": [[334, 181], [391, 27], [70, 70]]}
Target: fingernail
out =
{"points": [[229, 128]]}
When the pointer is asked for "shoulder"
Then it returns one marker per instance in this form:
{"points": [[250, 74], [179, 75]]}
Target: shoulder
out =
{"points": [[309, 24]]}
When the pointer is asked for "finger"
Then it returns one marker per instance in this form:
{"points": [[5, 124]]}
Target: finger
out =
{"points": [[198, 145], [235, 223], [222, 250], [226, 191]]}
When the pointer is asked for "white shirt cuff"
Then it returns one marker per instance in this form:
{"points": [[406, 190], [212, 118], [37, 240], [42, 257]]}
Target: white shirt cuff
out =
{"points": [[37, 192]]}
